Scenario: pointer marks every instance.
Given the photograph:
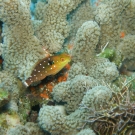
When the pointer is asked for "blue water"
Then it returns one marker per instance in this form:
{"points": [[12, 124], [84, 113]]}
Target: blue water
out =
{"points": [[93, 2]]}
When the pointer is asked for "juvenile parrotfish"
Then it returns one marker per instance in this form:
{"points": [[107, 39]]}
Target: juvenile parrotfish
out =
{"points": [[48, 66]]}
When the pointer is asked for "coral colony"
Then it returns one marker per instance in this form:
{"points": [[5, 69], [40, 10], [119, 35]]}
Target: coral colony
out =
{"points": [[67, 67]]}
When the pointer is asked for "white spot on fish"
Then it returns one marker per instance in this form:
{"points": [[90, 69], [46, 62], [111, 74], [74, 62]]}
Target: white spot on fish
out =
{"points": [[51, 68], [43, 67], [48, 64], [39, 71], [44, 61], [34, 75], [40, 64]]}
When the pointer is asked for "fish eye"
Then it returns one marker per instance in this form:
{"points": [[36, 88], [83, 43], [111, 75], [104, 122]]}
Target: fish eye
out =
{"points": [[62, 59], [50, 62]]}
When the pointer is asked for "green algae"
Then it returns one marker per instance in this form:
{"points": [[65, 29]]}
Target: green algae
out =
{"points": [[108, 53], [112, 55], [4, 97]]}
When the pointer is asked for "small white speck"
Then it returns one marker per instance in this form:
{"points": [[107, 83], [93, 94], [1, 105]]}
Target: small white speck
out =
{"points": [[44, 61], [48, 64], [57, 61], [34, 69], [39, 71], [51, 68], [43, 67], [41, 74], [34, 75], [48, 58], [54, 66], [40, 64]]}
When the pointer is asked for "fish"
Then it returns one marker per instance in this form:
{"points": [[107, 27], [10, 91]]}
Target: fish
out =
{"points": [[48, 66]]}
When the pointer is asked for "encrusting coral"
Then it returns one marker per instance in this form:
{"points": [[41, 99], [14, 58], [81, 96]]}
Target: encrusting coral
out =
{"points": [[97, 96], [28, 129]]}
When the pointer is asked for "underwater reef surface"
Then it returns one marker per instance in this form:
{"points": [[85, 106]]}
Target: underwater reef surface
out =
{"points": [[67, 67]]}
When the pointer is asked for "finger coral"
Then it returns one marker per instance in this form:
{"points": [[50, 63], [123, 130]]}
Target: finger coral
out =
{"points": [[85, 44], [94, 93], [55, 13], [55, 120], [69, 90], [21, 48]]}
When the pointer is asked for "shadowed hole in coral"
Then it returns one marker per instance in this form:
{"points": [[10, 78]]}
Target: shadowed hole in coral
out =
{"points": [[51, 103], [35, 108]]}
